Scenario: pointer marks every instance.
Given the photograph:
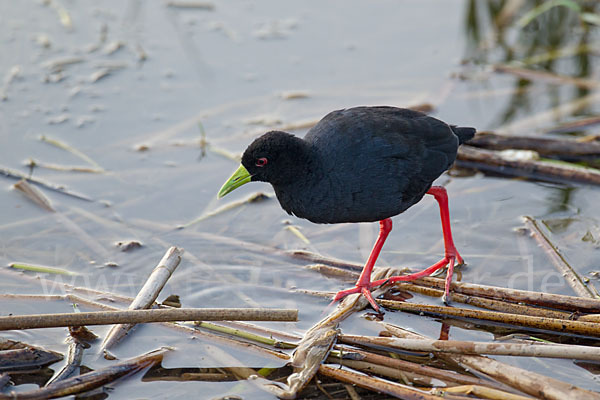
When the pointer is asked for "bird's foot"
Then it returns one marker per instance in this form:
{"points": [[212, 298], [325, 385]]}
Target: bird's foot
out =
{"points": [[449, 261], [365, 290]]}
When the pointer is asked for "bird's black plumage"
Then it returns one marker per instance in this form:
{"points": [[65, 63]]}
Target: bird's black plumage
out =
{"points": [[359, 164]]}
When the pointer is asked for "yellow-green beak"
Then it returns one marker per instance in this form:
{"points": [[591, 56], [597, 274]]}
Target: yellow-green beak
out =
{"points": [[239, 177]]}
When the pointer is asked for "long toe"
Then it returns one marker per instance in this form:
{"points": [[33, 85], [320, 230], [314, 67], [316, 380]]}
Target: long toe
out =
{"points": [[449, 274], [367, 293], [343, 293]]}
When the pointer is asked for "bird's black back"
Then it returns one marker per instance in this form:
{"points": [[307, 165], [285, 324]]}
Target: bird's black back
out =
{"points": [[375, 163]]}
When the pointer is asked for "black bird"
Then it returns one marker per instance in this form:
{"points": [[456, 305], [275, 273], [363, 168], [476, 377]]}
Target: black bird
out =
{"points": [[359, 164]]}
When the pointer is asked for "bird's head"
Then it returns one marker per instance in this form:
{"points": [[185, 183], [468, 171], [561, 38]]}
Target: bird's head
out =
{"points": [[275, 157]]}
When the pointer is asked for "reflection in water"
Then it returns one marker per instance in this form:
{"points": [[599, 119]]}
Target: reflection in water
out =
{"points": [[559, 199], [558, 40]]}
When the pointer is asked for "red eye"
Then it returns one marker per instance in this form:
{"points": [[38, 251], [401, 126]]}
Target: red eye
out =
{"points": [[261, 162]]}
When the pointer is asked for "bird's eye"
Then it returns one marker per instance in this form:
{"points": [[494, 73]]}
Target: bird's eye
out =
{"points": [[261, 162]]}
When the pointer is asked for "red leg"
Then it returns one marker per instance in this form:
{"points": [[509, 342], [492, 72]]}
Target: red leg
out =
{"points": [[364, 284], [450, 254]]}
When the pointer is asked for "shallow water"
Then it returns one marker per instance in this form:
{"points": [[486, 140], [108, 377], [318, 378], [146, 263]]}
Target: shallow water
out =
{"points": [[226, 72]]}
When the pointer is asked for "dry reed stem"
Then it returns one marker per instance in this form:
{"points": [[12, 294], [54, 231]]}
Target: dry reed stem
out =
{"points": [[483, 302], [490, 304], [542, 145], [404, 377], [550, 300], [529, 382], [147, 294], [375, 384], [226, 341], [420, 369], [34, 194], [477, 348], [144, 316], [559, 262], [526, 321], [489, 160], [481, 392], [315, 346]]}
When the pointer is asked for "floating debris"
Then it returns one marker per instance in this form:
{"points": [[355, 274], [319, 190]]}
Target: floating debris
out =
{"points": [[43, 40], [197, 5], [100, 74], [91, 380], [172, 301], [62, 145], [113, 47], [253, 198], [296, 231], [293, 95], [61, 63], [65, 168], [33, 194], [26, 358], [63, 14], [265, 120], [59, 119], [13, 74], [128, 246], [278, 29], [142, 147], [11, 173], [111, 264], [140, 53], [42, 269]]}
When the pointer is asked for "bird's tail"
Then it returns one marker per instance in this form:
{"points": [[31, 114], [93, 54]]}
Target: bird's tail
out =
{"points": [[464, 134]]}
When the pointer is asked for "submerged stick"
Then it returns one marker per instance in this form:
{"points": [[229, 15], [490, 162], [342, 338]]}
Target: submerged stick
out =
{"points": [[90, 380], [489, 160], [14, 174], [72, 150], [478, 348], [144, 316], [27, 358], [559, 262], [146, 296]]}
